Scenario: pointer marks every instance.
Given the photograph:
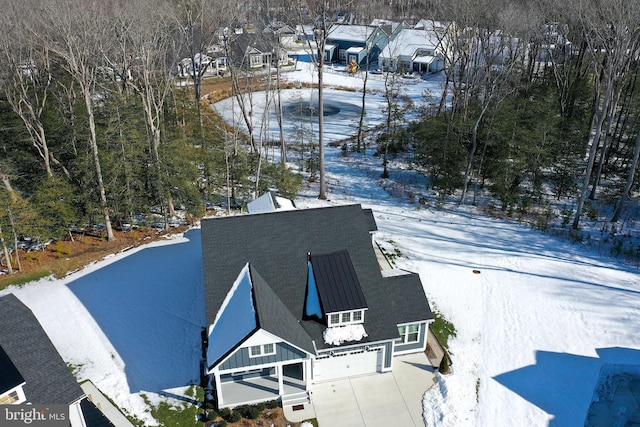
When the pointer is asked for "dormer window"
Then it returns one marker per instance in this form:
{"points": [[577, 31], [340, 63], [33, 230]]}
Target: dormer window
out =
{"points": [[333, 290], [345, 318]]}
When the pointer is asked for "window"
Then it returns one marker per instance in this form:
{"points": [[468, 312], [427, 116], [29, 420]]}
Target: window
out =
{"points": [[9, 398], [256, 60], [346, 318], [262, 350], [408, 334], [342, 54]]}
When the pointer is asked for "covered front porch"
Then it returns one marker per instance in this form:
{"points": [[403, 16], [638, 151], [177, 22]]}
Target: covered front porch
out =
{"points": [[269, 383]]}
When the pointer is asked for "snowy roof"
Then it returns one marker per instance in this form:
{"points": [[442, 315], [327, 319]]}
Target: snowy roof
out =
{"points": [[408, 42], [355, 49], [431, 25], [276, 245], [424, 59], [32, 353], [352, 33], [269, 202]]}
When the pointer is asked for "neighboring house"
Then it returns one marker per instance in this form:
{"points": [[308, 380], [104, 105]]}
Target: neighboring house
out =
{"points": [[269, 202], [346, 43], [32, 371], [285, 34], [297, 297], [251, 51], [203, 64], [551, 42], [412, 50]]}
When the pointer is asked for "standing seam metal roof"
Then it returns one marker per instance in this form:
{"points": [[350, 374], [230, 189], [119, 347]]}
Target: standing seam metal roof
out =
{"points": [[337, 282]]}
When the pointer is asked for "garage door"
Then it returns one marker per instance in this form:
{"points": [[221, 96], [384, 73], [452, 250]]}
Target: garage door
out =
{"points": [[347, 364]]}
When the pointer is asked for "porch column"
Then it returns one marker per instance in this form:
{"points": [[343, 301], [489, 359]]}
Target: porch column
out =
{"points": [[306, 373], [216, 378], [280, 380]]}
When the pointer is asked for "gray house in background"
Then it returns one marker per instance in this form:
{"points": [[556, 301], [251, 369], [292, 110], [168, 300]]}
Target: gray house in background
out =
{"points": [[32, 371], [297, 297]]}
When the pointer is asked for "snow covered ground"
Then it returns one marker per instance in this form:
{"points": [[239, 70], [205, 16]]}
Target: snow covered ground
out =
{"points": [[130, 323], [533, 328]]}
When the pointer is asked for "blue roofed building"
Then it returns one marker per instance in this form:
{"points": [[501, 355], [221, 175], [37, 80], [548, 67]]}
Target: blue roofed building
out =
{"points": [[297, 297]]}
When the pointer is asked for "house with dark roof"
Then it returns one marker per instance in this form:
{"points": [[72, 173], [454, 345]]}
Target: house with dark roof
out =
{"points": [[32, 371], [297, 297], [346, 43]]}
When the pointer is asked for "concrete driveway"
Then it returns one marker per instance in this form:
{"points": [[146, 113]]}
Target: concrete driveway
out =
{"points": [[392, 398]]}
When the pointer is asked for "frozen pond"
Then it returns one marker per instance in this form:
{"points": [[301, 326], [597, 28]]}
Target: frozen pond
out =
{"points": [[300, 117]]}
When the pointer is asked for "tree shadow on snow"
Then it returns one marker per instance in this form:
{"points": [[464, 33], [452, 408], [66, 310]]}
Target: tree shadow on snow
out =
{"points": [[150, 305], [562, 384]]}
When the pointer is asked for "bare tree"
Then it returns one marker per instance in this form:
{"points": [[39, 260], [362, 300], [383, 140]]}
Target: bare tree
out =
{"points": [[610, 33], [76, 30], [321, 12], [150, 39], [28, 81]]}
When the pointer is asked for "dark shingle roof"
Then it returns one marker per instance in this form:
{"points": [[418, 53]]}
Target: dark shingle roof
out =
{"points": [[276, 244], [406, 300], [48, 380], [337, 282], [9, 375], [275, 317]]}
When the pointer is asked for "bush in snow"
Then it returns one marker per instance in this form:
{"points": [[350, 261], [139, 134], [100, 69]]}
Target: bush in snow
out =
{"points": [[445, 367]]}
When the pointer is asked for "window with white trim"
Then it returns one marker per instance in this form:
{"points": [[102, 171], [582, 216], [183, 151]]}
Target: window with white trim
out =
{"points": [[342, 54], [408, 334], [256, 60], [334, 319], [346, 318], [9, 398], [262, 350]]}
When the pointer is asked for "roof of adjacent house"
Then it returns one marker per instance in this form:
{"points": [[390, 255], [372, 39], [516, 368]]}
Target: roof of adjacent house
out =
{"points": [[277, 246], [351, 33], [269, 202], [338, 285], [48, 380], [10, 377], [408, 41]]}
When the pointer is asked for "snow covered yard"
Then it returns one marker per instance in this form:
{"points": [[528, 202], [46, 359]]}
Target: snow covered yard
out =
{"points": [[130, 323], [533, 328]]}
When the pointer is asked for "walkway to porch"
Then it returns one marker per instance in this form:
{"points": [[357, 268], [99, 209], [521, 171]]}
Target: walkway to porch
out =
{"points": [[258, 389]]}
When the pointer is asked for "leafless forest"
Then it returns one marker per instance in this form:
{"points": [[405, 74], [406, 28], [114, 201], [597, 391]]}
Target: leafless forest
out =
{"points": [[539, 104]]}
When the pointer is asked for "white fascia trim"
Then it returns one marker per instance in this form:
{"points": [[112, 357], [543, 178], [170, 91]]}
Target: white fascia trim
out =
{"points": [[341, 348], [227, 299], [416, 322]]}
